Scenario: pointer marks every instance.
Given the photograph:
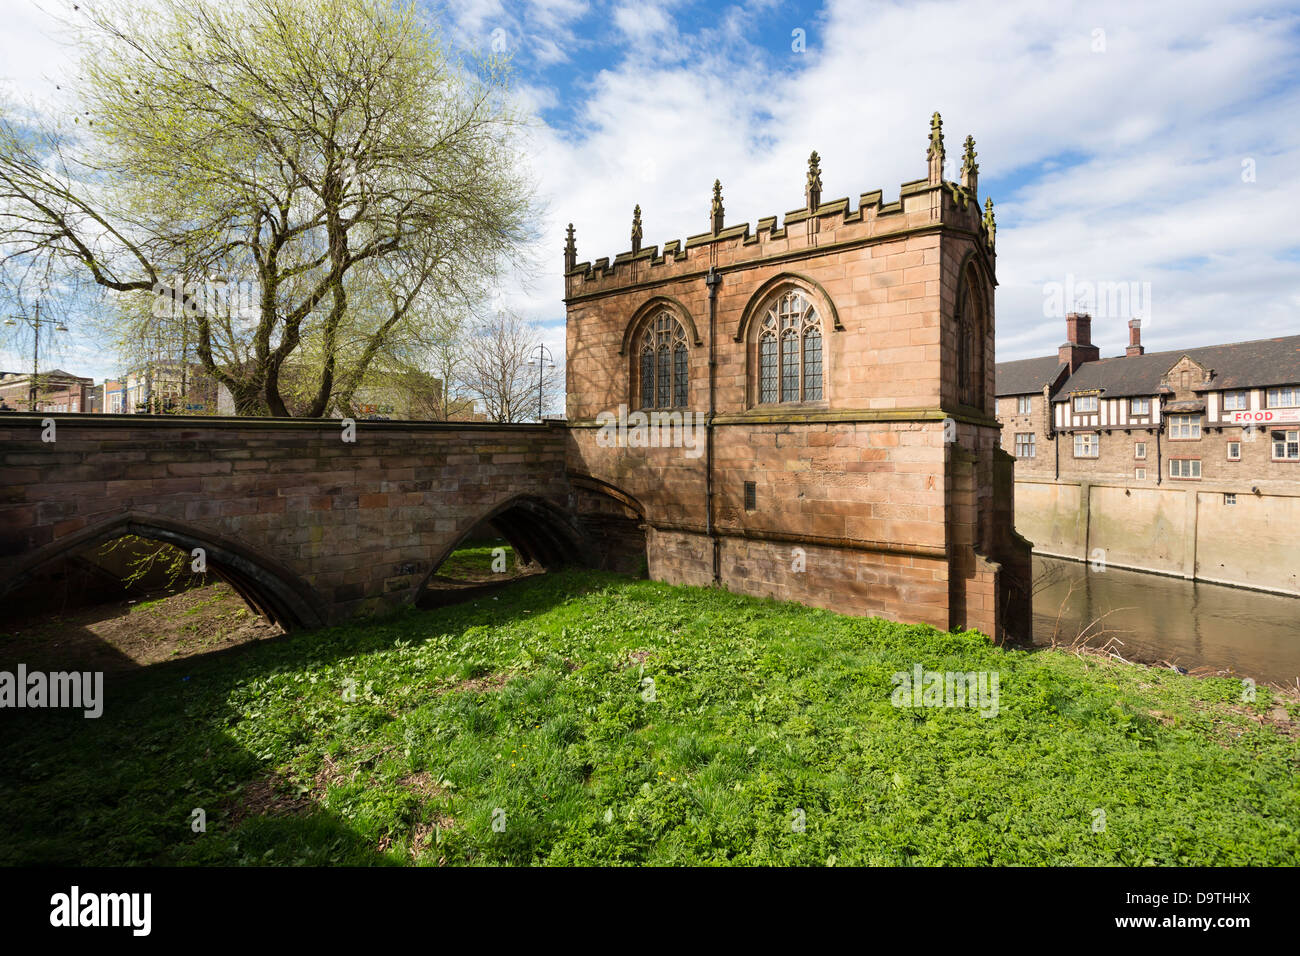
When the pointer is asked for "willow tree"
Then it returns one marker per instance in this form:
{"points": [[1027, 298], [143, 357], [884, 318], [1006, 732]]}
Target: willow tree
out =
{"points": [[293, 185]]}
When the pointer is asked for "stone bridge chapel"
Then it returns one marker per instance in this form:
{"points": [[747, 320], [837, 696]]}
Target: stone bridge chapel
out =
{"points": [[828, 385], [806, 411]]}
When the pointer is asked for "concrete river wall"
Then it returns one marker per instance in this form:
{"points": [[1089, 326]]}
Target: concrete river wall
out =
{"points": [[1201, 532]]}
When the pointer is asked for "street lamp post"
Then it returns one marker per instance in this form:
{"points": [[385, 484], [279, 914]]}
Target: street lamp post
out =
{"points": [[543, 361], [36, 324]]}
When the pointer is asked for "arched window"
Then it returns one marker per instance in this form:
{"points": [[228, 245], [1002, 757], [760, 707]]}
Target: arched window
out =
{"points": [[965, 345], [790, 351], [664, 376], [970, 353]]}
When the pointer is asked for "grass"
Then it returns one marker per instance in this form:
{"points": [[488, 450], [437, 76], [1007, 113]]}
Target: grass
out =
{"points": [[521, 730], [481, 561]]}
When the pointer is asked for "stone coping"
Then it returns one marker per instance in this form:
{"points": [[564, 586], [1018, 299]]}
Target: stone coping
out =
{"points": [[79, 419], [850, 416]]}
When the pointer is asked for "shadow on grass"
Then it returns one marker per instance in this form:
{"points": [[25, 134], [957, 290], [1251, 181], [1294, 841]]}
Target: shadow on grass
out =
{"points": [[123, 788]]}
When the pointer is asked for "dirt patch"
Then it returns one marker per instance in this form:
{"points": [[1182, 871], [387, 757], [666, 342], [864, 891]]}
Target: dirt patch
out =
{"points": [[459, 577], [126, 634], [277, 795], [270, 796], [424, 836], [422, 784], [1277, 718], [479, 685]]}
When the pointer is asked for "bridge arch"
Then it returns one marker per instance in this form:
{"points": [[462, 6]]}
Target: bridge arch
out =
{"points": [[270, 588], [537, 529]]}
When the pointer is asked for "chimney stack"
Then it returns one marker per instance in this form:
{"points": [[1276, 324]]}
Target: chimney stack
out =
{"points": [[1078, 328], [1134, 338], [1078, 347]]}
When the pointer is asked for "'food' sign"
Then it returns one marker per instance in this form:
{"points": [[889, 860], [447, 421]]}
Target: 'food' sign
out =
{"points": [[1265, 416]]}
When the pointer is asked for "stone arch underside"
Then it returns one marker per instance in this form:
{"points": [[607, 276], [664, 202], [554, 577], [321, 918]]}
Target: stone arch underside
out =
{"points": [[539, 531], [267, 586], [614, 521]]}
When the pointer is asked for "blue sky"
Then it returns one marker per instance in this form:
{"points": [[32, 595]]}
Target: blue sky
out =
{"points": [[1150, 146]]}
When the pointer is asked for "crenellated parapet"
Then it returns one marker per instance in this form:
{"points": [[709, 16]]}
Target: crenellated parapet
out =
{"points": [[923, 205]]}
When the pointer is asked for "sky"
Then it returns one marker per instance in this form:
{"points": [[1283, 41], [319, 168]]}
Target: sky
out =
{"points": [[1151, 148]]}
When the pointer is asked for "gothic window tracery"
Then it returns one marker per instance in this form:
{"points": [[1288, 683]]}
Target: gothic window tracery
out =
{"points": [[790, 351], [970, 352], [663, 363]]}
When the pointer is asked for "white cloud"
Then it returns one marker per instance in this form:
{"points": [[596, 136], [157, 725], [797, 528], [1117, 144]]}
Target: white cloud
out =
{"points": [[640, 21], [1120, 165], [1161, 120]]}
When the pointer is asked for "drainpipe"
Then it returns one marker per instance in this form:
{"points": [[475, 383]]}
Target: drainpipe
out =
{"points": [[1049, 412], [1160, 467], [712, 281]]}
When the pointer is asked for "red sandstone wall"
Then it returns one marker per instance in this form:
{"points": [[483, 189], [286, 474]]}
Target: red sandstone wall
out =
{"points": [[360, 524]]}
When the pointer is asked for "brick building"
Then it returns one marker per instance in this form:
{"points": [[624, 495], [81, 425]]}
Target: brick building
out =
{"points": [[56, 391], [1218, 427], [804, 410]]}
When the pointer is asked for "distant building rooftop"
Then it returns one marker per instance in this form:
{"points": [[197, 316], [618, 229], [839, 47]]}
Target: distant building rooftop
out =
{"points": [[1256, 364], [1027, 376]]}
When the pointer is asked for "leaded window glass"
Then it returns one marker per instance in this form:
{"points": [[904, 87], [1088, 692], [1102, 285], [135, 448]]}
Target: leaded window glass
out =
{"points": [[663, 379], [812, 364], [664, 365], [789, 366], [790, 363], [647, 378], [679, 375], [767, 368]]}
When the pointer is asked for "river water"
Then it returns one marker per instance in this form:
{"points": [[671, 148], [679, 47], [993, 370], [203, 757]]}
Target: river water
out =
{"points": [[1158, 618]]}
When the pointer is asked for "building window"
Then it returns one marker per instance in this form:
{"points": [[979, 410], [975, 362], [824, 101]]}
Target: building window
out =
{"points": [[1085, 403], [663, 364], [1184, 426], [1288, 397], [1139, 449], [1234, 451], [971, 325], [965, 356], [790, 351], [1184, 468], [1025, 445], [1086, 445], [751, 496], [767, 391], [1139, 406], [1229, 498], [1286, 445], [1024, 404], [1236, 401], [1140, 474]]}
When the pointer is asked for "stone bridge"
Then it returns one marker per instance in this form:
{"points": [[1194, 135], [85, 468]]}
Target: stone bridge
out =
{"points": [[309, 527]]}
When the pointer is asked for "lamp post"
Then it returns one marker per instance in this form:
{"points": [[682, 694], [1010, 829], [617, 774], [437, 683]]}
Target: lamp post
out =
{"points": [[543, 361], [36, 324]]}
